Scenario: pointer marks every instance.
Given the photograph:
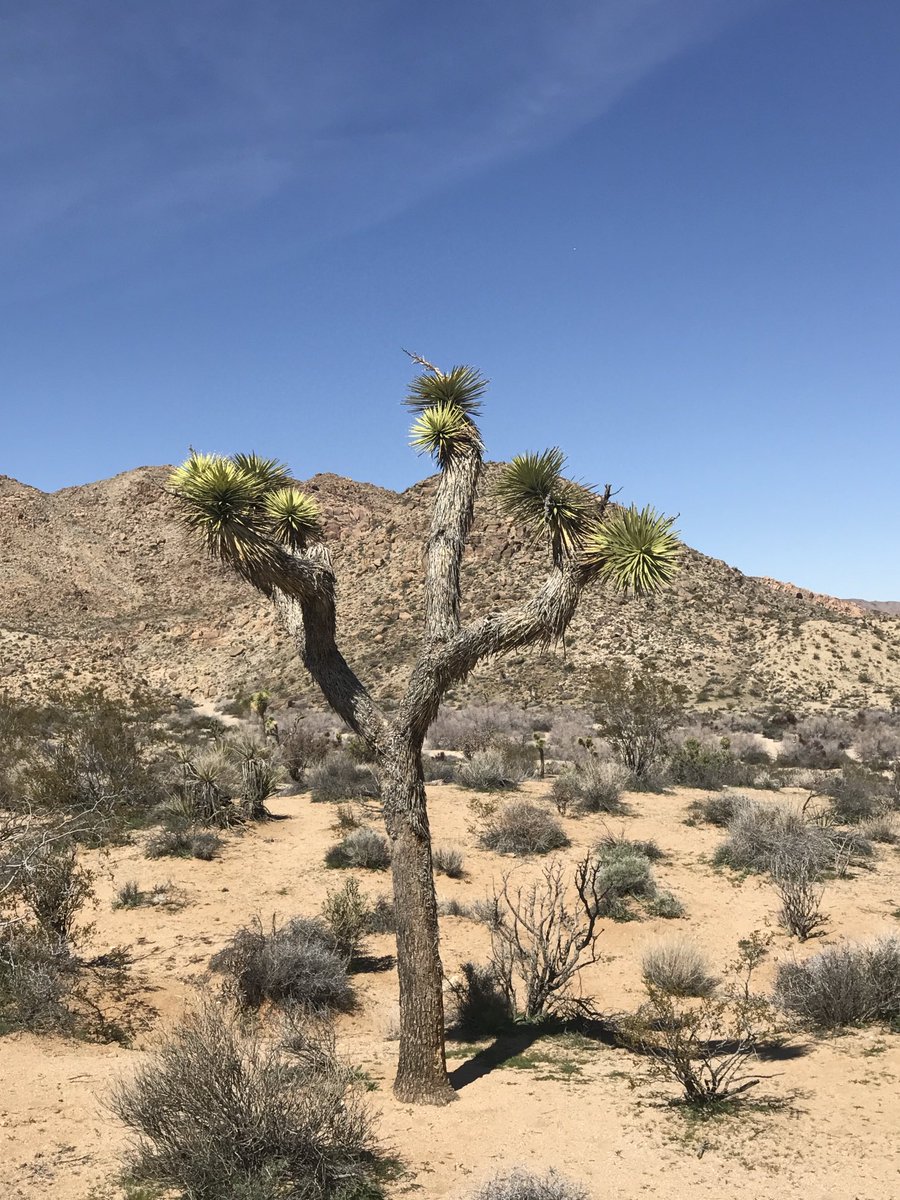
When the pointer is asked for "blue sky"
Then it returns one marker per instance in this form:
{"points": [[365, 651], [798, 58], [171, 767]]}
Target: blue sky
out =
{"points": [[666, 229]]}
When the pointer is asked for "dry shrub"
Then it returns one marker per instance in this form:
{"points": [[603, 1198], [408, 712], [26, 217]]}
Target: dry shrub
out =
{"points": [[302, 746], [295, 963], [760, 833], [843, 985], [339, 776], [716, 810], [522, 1184], [523, 828], [448, 860], [346, 912], [438, 768], [183, 843], [364, 848], [478, 726], [219, 1112], [796, 874], [678, 968], [497, 768], [590, 787], [856, 793], [708, 1046], [543, 935]]}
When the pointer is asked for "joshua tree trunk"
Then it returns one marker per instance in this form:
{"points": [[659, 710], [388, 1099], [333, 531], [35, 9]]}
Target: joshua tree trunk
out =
{"points": [[422, 1070]]}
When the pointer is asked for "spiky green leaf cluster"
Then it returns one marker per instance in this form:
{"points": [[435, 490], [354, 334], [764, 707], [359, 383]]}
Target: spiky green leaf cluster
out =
{"points": [[636, 550], [532, 489], [460, 388], [446, 405], [244, 507]]}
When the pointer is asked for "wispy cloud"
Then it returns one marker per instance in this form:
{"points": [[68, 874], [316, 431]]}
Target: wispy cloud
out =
{"points": [[124, 124]]}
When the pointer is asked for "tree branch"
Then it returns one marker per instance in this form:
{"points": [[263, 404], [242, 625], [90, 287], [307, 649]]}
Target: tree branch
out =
{"points": [[301, 586], [451, 522]]}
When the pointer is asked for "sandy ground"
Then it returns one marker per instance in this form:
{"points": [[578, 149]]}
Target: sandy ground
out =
{"points": [[589, 1110]]}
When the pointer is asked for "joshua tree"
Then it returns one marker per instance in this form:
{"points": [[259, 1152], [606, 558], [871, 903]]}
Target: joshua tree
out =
{"points": [[252, 517]]}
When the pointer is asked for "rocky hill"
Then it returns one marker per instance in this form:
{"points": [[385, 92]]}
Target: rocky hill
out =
{"points": [[101, 584]]}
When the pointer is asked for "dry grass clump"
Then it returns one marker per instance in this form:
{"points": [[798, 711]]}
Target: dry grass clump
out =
{"points": [[448, 860], [843, 985], [523, 828], [589, 787], [497, 768], [364, 848], [522, 1184], [339, 776], [716, 810], [296, 963], [856, 793], [677, 967], [220, 1111], [758, 833], [183, 843]]}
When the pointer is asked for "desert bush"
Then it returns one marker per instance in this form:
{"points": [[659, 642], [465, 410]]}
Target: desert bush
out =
{"points": [[678, 968], [856, 793], [623, 875], [613, 844], [711, 767], [665, 905], [219, 1112], [521, 827], [481, 1003], [497, 767], [707, 1046], [347, 914], [878, 745], [591, 786], [635, 712], [95, 759], [438, 768], [758, 833], [543, 935], [183, 843], [881, 828], [796, 873], [364, 848], [843, 985], [448, 860], [717, 810], [296, 963], [814, 753], [522, 1184], [37, 976], [748, 748], [302, 746], [340, 777], [54, 888], [478, 726]]}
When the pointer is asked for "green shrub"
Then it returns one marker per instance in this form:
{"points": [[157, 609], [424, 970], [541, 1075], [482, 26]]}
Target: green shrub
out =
{"points": [[448, 860], [340, 777]]}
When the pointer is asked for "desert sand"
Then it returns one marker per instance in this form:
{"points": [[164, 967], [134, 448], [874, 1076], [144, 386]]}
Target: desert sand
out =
{"points": [[586, 1108]]}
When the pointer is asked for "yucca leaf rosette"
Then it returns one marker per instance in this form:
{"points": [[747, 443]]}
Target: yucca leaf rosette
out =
{"points": [[636, 550], [244, 508]]}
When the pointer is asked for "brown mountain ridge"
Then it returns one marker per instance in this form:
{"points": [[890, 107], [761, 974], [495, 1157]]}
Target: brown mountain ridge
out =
{"points": [[102, 584]]}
